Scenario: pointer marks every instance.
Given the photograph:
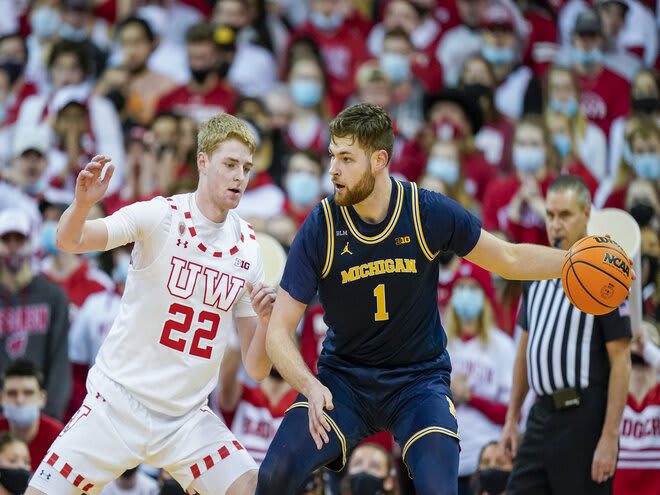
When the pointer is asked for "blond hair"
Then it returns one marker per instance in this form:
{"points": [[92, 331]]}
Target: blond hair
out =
{"points": [[220, 128]]}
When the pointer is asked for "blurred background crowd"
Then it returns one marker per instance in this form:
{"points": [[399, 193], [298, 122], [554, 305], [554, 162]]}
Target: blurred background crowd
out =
{"points": [[491, 100]]}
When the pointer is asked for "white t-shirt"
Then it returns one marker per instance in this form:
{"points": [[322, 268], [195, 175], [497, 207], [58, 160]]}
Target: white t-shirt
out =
{"points": [[489, 371], [186, 282]]}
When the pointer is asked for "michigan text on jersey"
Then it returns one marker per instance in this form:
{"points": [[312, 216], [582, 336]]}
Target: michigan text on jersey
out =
{"points": [[398, 265]]}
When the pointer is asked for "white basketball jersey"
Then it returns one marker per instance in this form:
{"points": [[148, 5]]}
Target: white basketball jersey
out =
{"points": [[167, 342]]}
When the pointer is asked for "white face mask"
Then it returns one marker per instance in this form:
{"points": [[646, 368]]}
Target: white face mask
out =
{"points": [[21, 416], [528, 158]]}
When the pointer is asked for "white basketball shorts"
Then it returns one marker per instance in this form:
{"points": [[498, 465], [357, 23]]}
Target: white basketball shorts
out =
{"points": [[112, 432]]}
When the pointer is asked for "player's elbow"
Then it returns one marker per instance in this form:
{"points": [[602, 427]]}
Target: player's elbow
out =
{"points": [[63, 244], [258, 372]]}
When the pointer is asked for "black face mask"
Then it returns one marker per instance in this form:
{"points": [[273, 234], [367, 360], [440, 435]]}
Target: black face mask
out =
{"points": [[15, 481], [199, 75], [223, 69], [444, 257], [476, 92], [117, 98], [642, 211], [636, 359], [645, 105], [493, 480], [171, 487], [13, 68], [367, 484]]}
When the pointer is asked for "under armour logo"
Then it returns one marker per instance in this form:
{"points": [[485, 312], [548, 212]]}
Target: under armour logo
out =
{"points": [[99, 396], [345, 250], [45, 475], [185, 243]]}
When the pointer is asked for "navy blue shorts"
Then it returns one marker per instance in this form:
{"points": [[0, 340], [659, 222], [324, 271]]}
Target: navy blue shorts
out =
{"points": [[408, 402]]}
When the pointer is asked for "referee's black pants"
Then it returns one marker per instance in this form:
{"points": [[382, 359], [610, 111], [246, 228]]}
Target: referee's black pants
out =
{"points": [[557, 451]]}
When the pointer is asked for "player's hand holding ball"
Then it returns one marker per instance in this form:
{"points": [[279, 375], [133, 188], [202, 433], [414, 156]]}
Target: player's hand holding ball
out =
{"points": [[90, 187], [596, 275]]}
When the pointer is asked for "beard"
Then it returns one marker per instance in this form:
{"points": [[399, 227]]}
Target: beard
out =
{"points": [[357, 194]]}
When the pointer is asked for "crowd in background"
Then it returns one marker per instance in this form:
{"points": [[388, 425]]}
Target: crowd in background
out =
{"points": [[490, 99]]}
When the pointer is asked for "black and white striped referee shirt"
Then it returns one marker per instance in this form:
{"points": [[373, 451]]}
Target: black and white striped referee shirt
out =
{"points": [[566, 347]]}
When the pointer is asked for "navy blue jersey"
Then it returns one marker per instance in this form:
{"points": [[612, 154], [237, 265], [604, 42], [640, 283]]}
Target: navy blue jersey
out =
{"points": [[378, 283]]}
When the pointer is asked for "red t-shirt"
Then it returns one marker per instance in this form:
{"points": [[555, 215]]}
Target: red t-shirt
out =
{"points": [[496, 216], [49, 429], [199, 107], [579, 169], [541, 46], [604, 98], [638, 466], [83, 282], [343, 51]]}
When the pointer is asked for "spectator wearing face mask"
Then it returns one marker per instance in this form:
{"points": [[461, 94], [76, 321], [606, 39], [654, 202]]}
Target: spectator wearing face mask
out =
{"points": [[208, 92], [370, 472], [13, 58], [588, 139], [23, 397], [638, 466], [33, 313], [444, 174], [600, 88], [303, 187], [462, 41], [451, 116], [15, 468], [307, 129], [494, 471], [92, 323], [644, 143], [133, 87], [482, 367], [342, 47], [514, 204], [645, 105], [518, 88], [395, 59], [424, 33], [649, 271], [495, 137], [559, 126], [629, 29]]}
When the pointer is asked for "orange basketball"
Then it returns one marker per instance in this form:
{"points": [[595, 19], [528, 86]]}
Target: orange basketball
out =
{"points": [[596, 275]]}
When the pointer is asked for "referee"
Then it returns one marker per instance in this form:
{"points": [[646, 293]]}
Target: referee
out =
{"points": [[577, 364]]}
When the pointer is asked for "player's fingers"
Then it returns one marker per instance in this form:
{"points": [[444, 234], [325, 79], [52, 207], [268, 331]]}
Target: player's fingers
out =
{"points": [[327, 397], [595, 471], [108, 174], [313, 431], [321, 424]]}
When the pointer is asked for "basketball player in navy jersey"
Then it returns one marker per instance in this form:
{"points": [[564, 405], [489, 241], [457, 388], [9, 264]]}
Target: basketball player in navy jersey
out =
{"points": [[371, 252]]}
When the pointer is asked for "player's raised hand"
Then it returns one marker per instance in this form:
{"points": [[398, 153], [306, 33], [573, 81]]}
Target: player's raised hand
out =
{"points": [[262, 298], [319, 397], [90, 186]]}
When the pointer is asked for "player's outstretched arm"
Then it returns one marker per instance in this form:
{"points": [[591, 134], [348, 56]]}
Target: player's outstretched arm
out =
{"points": [[516, 261], [283, 350], [74, 233]]}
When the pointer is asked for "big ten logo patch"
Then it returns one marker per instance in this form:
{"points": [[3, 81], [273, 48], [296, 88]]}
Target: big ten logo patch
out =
{"points": [[402, 240], [245, 265], [80, 414]]}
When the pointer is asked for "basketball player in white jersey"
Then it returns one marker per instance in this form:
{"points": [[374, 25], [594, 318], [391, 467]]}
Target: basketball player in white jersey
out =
{"points": [[195, 266]]}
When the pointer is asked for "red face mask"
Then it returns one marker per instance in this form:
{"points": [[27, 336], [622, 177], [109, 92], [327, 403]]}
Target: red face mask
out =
{"points": [[447, 130]]}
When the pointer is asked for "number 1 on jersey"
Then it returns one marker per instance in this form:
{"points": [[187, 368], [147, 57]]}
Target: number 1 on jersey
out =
{"points": [[381, 314]]}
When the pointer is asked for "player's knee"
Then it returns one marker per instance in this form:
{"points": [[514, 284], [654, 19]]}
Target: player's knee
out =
{"points": [[430, 476], [274, 475]]}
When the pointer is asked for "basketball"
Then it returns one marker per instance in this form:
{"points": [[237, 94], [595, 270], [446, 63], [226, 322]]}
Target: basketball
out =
{"points": [[596, 275]]}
